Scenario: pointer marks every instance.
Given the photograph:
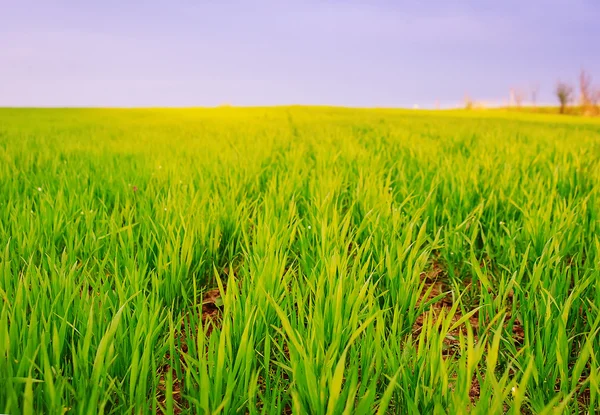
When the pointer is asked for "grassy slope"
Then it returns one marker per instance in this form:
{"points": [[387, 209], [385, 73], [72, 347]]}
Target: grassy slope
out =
{"points": [[369, 260]]}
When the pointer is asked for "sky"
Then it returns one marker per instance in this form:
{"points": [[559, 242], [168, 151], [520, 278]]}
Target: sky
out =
{"points": [[377, 53]]}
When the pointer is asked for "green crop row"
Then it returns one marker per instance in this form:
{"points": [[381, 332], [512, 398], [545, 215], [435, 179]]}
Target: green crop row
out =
{"points": [[365, 262]]}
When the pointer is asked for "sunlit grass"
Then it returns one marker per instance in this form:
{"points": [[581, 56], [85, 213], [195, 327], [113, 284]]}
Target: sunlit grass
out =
{"points": [[368, 261]]}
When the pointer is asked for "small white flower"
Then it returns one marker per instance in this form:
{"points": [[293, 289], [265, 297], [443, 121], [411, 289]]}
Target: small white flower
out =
{"points": [[514, 390], [39, 189], [390, 189], [501, 223], [309, 227]]}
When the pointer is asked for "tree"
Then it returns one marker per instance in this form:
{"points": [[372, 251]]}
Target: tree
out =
{"points": [[564, 93], [535, 89], [585, 91], [519, 97], [595, 100], [468, 102]]}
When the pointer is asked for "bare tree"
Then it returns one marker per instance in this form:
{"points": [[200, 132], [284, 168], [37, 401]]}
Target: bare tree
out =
{"points": [[519, 97], [595, 100], [535, 89], [585, 91], [564, 93], [468, 102]]}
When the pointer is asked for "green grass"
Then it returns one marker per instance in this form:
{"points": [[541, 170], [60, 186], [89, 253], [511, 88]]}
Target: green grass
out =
{"points": [[369, 261]]}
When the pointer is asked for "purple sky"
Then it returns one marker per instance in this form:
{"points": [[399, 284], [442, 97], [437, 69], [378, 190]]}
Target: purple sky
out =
{"points": [[267, 52]]}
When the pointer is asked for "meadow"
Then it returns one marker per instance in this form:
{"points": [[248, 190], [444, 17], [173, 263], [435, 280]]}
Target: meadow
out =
{"points": [[298, 260]]}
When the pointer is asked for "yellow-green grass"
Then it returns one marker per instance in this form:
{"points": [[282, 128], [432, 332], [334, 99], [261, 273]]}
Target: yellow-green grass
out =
{"points": [[369, 261]]}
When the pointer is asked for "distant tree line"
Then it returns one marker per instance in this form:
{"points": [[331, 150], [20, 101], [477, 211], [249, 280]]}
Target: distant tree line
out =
{"points": [[587, 102]]}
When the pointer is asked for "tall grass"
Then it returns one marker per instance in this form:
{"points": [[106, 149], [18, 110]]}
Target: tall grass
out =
{"points": [[368, 261]]}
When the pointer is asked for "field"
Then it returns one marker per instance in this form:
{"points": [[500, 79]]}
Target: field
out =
{"points": [[298, 260]]}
